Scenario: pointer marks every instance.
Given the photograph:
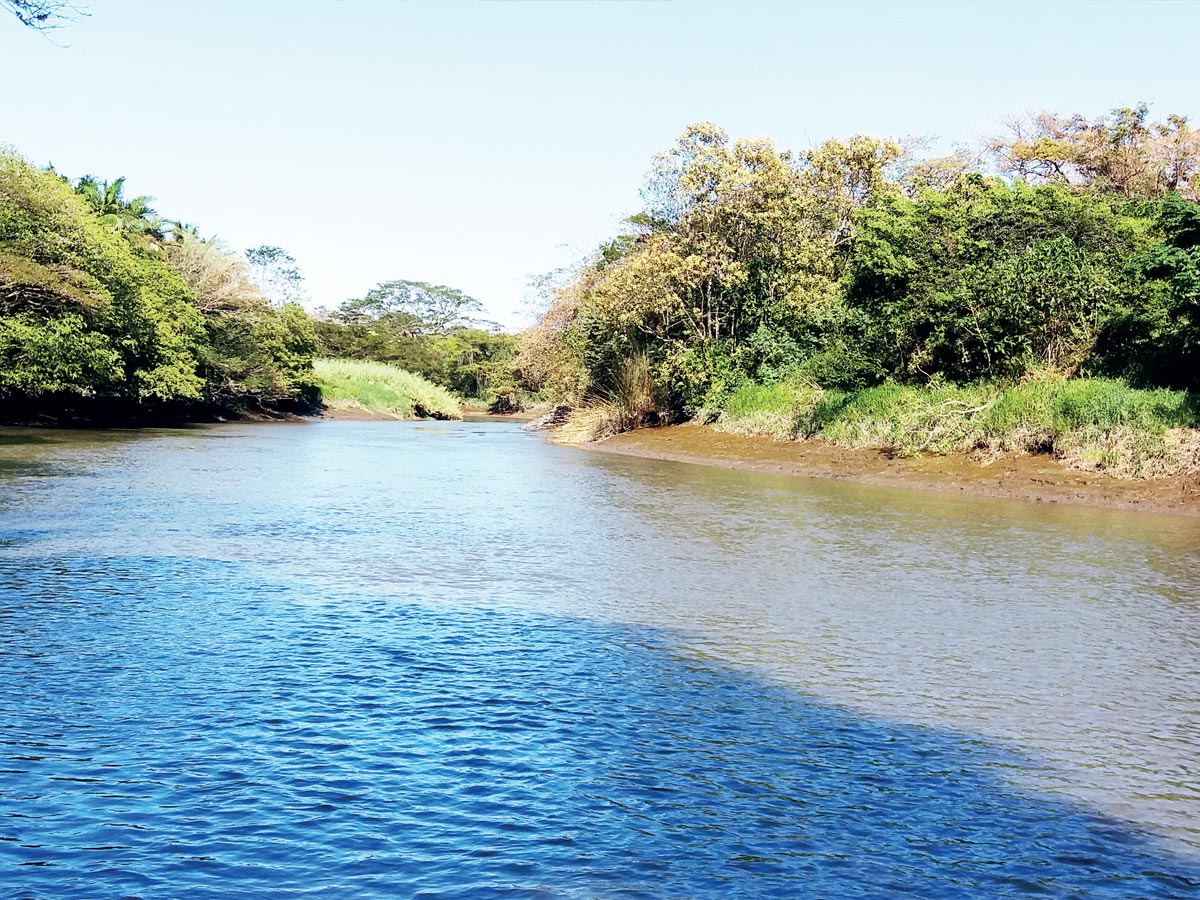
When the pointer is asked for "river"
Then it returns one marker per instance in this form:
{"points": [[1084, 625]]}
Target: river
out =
{"points": [[448, 660]]}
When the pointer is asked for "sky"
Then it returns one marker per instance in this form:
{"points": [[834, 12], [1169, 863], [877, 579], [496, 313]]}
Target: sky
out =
{"points": [[480, 145]]}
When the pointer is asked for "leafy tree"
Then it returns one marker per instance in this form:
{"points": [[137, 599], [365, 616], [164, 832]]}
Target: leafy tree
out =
{"points": [[1123, 152], [132, 218], [417, 326], [95, 309], [732, 268], [276, 273], [989, 280], [254, 354], [414, 306], [65, 267], [855, 262], [478, 363], [1156, 341]]}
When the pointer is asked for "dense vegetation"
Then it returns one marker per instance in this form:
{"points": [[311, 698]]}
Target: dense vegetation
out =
{"points": [[429, 330], [1071, 249], [108, 311], [105, 309]]}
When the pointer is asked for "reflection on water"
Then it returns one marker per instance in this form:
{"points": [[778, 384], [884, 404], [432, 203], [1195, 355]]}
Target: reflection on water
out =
{"points": [[359, 659]]}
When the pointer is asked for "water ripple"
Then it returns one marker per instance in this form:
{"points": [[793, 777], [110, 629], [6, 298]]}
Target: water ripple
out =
{"points": [[191, 710]]}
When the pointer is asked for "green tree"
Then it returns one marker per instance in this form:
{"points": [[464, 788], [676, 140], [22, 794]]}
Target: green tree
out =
{"points": [[67, 271], [989, 280], [254, 354], [133, 218], [276, 273], [414, 307], [1156, 339]]}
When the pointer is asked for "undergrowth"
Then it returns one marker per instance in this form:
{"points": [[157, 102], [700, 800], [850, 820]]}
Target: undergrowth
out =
{"points": [[1099, 424]]}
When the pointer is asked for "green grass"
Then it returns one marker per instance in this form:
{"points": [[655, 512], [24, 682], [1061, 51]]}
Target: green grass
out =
{"points": [[772, 409], [381, 388], [1099, 424]]}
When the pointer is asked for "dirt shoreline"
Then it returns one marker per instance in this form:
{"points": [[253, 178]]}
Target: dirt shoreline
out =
{"points": [[361, 414], [1034, 478]]}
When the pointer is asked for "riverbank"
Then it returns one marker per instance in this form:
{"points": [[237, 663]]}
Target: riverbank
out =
{"points": [[363, 390], [1032, 477]]}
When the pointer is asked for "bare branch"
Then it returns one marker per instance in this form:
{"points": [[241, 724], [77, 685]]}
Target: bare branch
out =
{"points": [[44, 15]]}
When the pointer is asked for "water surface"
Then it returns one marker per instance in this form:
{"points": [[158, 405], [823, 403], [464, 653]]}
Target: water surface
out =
{"points": [[450, 660]]}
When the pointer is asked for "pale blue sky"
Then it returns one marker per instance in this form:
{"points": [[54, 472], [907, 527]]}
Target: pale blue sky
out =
{"points": [[477, 145]]}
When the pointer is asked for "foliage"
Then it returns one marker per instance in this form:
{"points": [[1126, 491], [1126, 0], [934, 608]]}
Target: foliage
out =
{"points": [[1157, 341], [60, 259], [96, 303], [276, 274], [733, 266], [990, 280], [478, 364], [411, 307], [255, 354], [1099, 424], [754, 281], [1123, 152], [382, 388], [133, 218], [425, 329]]}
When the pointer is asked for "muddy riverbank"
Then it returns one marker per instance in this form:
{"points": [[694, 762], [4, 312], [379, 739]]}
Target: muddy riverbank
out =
{"points": [[1036, 478]]}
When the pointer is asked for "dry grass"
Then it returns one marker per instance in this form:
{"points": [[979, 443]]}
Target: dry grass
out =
{"points": [[630, 404]]}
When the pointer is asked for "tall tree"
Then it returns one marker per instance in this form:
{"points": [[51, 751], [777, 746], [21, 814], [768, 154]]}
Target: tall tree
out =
{"points": [[276, 273], [1124, 152], [133, 218], [416, 306]]}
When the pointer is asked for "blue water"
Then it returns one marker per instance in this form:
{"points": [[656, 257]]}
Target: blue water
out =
{"points": [[390, 661]]}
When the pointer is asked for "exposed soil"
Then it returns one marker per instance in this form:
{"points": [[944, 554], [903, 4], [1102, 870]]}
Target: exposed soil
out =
{"points": [[355, 414], [1038, 478]]}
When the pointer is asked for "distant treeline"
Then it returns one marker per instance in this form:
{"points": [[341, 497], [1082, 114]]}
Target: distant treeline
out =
{"points": [[107, 310], [1068, 247]]}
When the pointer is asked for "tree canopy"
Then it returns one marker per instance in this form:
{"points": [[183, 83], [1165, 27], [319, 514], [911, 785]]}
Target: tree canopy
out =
{"points": [[1068, 247], [100, 303]]}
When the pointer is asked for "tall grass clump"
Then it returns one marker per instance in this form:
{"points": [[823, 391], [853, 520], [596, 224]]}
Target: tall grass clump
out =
{"points": [[631, 402], [382, 388]]}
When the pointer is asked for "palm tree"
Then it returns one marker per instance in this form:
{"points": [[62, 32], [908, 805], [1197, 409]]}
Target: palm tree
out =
{"points": [[133, 218]]}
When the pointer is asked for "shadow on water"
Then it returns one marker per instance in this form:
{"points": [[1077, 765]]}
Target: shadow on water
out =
{"points": [[185, 728]]}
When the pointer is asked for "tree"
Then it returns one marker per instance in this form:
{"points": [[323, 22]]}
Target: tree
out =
{"points": [[988, 279], [731, 271], [132, 218], [1157, 341], [276, 273], [415, 306], [1123, 152]]}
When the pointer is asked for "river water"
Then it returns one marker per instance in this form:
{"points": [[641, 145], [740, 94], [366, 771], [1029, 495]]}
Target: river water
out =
{"points": [[451, 660]]}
